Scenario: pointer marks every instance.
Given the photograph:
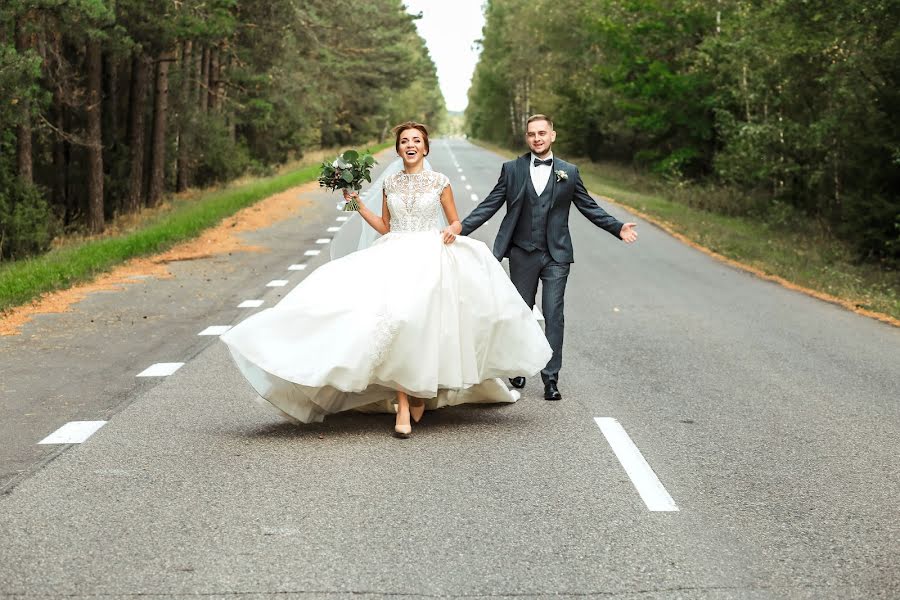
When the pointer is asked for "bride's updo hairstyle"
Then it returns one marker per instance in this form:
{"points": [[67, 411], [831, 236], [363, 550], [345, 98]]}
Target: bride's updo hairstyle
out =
{"points": [[411, 125]]}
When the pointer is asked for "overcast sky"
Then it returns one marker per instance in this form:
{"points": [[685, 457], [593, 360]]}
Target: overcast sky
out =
{"points": [[450, 27]]}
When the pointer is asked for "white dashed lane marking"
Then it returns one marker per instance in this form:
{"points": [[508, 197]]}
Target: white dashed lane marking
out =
{"points": [[277, 283], [296, 267], [74, 432], [250, 304], [638, 469], [323, 241], [333, 229], [160, 369], [311, 253], [342, 218]]}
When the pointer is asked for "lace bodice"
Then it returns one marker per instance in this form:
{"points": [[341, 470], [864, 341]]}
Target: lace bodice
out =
{"points": [[415, 200]]}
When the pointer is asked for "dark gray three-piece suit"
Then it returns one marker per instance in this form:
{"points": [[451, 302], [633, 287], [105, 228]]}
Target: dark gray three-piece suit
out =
{"points": [[535, 236]]}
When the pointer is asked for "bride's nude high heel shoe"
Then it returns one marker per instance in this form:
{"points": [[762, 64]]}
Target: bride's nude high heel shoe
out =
{"points": [[416, 411], [401, 430]]}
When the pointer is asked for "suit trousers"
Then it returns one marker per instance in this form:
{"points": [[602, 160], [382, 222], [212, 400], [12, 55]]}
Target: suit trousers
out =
{"points": [[526, 268]]}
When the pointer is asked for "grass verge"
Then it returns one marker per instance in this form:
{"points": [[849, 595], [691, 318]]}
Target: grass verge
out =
{"points": [[801, 256], [24, 280]]}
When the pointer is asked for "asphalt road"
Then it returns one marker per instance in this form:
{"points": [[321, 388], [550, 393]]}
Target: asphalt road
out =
{"points": [[770, 420]]}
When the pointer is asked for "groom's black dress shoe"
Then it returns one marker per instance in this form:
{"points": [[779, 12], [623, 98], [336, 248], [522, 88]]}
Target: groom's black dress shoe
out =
{"points": [[517, 382], [551, 392]]}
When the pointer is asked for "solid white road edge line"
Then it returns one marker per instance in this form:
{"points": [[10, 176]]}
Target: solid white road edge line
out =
{"points": [[73, 432], [642, 476]]}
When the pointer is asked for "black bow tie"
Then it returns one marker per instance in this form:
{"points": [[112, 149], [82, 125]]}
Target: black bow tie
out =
{"points": [[538, 162]]}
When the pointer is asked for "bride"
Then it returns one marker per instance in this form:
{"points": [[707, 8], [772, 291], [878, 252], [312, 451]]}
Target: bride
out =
{"points": [[422, 318]]}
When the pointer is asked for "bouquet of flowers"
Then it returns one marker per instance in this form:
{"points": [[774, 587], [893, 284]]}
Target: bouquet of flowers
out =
{"points": [[347, 171]]}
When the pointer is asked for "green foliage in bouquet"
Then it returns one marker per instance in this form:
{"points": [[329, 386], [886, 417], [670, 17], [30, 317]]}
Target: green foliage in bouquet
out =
{"points": [[347, 171]]}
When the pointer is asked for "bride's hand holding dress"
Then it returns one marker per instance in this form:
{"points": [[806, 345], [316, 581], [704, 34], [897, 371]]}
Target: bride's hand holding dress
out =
{"points": [[448, 235]]}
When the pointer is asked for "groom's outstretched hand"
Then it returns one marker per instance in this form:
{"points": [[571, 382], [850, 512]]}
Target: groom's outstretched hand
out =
{"points": [[628, 233]]}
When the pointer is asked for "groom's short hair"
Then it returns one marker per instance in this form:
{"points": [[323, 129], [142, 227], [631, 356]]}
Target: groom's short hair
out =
{"points": [[538, 117]]}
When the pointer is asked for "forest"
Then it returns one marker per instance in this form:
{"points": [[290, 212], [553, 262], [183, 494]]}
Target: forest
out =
{"points": [[789, 107], [110, 105]]}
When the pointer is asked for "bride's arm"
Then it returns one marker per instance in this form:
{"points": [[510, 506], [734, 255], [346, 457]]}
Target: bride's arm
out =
{"points": [[449, 234], [381, 224]]}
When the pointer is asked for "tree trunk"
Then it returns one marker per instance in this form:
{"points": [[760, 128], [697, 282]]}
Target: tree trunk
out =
{"points": [[718, 17], [836, 179], [59, 155], [126, 72], [160, 122], [527, 110], [73, 207], [137, 138], [220, 76], [213, 80], [222, 94], [94, 61], [111, 128], [24, 159], [780, 185], [185, 129], [110, 113], [199, 56], [745, 88], [23, 139], [203, 97]]}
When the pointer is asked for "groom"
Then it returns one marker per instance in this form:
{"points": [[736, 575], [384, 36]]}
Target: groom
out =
{"points": [[538, 190]]}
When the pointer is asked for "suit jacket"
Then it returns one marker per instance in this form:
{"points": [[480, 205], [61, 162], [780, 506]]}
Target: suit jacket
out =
{"points": [[510, 190]]}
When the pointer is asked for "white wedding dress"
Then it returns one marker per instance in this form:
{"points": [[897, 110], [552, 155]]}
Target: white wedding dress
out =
{"points": [[439, 321]]}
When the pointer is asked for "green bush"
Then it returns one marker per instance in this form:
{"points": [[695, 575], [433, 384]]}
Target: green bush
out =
{"points": [[27, 225], [218, 157], [872, 224]]}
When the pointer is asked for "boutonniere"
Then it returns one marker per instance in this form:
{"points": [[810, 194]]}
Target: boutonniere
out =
{"points": [[561, 175]]}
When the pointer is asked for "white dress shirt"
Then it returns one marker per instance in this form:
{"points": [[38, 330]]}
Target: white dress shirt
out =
{"points": [[540, 175]]}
